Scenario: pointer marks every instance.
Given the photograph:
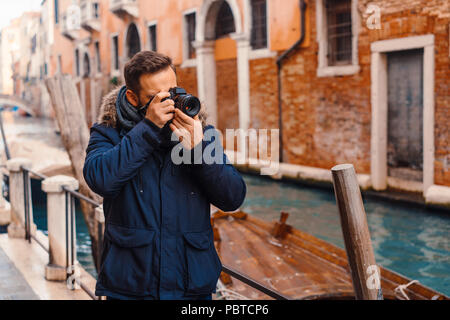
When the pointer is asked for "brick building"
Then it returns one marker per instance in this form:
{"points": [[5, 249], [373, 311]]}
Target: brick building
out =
{"points": [[365, 82]]}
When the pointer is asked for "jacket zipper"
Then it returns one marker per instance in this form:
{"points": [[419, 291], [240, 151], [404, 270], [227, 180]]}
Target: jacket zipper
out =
{"points": [[160, 215], [140, 181]]}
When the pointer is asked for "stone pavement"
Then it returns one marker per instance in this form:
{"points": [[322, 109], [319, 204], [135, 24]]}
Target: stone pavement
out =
{"points": [[22, 272], [13, 285]]}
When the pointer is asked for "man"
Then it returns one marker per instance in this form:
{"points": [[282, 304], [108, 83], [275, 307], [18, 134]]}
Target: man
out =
{"points": [[158, 237]]}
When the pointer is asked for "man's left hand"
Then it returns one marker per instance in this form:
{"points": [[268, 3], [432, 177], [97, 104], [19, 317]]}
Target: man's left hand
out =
{"points": [[188, 130]]}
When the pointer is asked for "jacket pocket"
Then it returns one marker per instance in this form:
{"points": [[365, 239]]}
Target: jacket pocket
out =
{"points": [[203, 263], [128, 264]]}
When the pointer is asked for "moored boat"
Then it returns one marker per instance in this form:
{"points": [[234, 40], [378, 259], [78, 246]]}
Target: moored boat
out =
{"points": [[294, 263]]}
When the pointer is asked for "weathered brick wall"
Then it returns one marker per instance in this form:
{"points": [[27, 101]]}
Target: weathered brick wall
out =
{"points": [[263, 93], [227, 95], [327, 120], [187, 78], [263, 103]]}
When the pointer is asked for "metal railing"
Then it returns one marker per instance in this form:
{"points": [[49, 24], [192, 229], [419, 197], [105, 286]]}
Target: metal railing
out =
{"points": [[27, 197], [70, 196], [70, 246]]}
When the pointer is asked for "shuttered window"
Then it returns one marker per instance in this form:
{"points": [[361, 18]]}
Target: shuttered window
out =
{"points": [[190, 24], [259, 24], [116, 52], [152, 37]]}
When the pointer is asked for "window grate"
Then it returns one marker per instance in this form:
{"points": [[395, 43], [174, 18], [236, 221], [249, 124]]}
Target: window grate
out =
{"points": [[225, 21], [116, 52], [259, 24], [339, 21], [190, 22], [152, 36]]}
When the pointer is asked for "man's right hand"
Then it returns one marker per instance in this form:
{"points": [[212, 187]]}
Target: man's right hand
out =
{"points": [[160, 112]]}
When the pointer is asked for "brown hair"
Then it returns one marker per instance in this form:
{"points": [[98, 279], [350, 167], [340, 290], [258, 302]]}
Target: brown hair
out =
{"points": [[144, 62]]}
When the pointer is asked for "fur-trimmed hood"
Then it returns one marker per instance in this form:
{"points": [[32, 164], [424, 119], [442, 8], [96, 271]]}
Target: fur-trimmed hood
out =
{"points": [[108, 114]]}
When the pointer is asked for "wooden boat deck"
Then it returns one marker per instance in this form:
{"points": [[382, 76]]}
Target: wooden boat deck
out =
{"points": [[293, 262]]}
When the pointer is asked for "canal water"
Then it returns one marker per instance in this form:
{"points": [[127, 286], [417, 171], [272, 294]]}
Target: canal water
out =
{"points": [[408, 239]]}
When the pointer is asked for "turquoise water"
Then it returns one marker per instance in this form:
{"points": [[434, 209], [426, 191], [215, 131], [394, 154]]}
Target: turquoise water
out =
{"points": [[84, 253], [408, 239]]}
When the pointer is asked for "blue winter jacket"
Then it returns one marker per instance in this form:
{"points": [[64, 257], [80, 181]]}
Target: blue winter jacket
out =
{"points": [[158, 241]]}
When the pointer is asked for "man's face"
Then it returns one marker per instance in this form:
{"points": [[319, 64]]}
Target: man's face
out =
{"points": [[152, 84]]}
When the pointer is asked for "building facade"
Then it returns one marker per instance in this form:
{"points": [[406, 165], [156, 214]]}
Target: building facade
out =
{"points": [[365, 82], [9, 50]]}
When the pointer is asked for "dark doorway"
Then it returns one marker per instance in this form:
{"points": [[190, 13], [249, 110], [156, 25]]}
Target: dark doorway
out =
{"points": [[133, 41], [405, 114]]}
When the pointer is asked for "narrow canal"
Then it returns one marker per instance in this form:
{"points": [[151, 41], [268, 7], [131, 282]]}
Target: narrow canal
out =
{"points": [[408, 239]]}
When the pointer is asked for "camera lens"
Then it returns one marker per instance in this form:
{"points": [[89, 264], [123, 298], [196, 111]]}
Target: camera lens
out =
{"points": [[190, 105]]}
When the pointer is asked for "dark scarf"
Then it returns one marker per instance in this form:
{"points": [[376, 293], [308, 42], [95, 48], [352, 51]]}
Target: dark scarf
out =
{"points": [[129, 115]]}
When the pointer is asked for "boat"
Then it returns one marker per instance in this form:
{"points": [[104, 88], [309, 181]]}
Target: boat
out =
{"points": [[293, 263]]}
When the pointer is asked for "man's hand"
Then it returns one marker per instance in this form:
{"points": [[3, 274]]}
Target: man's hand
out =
{"points": [[188, 130], [160, 112]]}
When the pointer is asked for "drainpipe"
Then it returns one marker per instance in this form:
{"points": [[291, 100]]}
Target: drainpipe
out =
{"points": [[280, 61]]}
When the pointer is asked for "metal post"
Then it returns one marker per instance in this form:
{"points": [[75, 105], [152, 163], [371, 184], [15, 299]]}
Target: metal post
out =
{"points": [[364, 271], [27, 204]]}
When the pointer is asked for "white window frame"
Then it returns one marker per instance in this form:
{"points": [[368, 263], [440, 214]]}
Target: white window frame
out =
{"points": [[324, 70], [186, 61], [114, 72], [151, 24]]}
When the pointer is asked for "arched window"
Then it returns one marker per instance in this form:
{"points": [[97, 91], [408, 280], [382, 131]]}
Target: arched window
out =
{"points": [[133, 41], [225, 21]]}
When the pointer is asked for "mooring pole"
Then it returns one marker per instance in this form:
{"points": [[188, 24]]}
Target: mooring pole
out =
{"points": [[364, 271]]}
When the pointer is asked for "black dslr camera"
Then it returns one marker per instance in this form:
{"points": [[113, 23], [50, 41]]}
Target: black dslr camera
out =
{"points": [[187, 103]]}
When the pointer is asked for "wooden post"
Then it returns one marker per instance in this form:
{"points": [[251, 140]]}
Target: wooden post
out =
{"points": [[364, 271], [16, 229], [59, 226], [71, 118]]}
